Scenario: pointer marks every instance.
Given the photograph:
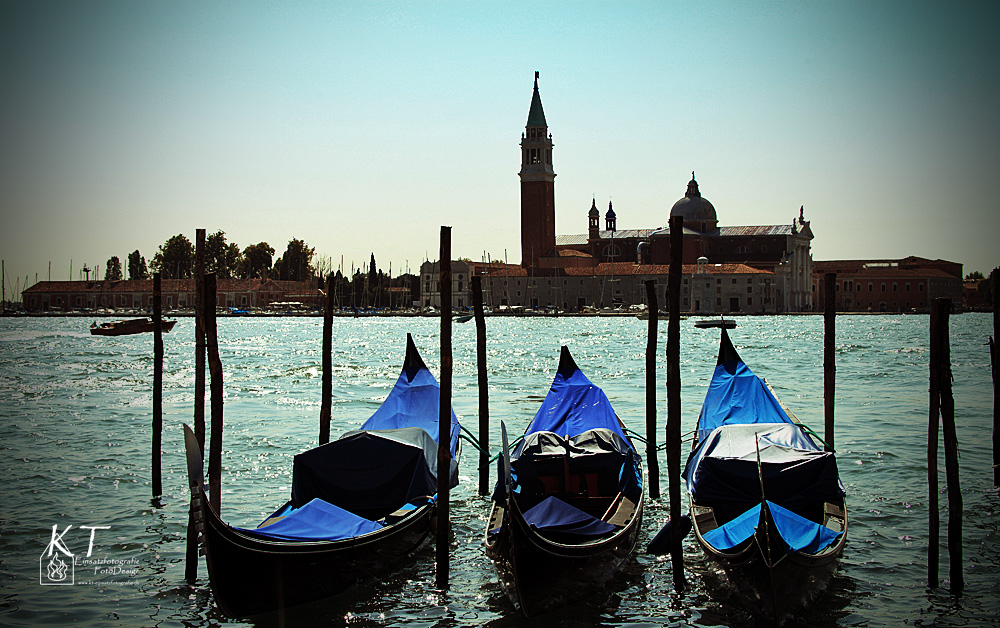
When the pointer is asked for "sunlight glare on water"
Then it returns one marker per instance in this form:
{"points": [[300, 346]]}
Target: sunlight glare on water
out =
{"points": [[76, 410]]}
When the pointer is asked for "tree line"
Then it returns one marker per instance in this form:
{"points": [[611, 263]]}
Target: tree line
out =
{"points": [[175, 259]]}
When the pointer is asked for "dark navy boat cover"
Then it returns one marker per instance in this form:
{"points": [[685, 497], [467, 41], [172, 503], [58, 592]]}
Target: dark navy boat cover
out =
{"points": [[339, 488], [722, 472], [369, 473], [736, 395], [573, 404], [554, 515], [799, 533]]}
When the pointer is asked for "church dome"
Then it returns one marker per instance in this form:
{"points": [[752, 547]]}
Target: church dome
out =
{"points": [[697, 211]]}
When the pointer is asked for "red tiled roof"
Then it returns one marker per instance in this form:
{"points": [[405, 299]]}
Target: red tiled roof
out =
{"points": [[168, 285], [630, 268]]}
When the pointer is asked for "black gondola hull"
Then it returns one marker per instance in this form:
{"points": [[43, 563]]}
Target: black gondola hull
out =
{"points": [[539, 575], [780, 593], [250, 576]]}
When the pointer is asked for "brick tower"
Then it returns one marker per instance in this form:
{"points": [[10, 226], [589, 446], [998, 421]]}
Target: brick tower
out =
{"points": [[538, 193]]}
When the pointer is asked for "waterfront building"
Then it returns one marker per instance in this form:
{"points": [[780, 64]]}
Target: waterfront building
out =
{"points": [[606, 268], [889, 285], [137, 294]]}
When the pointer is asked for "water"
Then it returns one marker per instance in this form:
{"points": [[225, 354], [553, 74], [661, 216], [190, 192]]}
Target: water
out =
{"points": [[75, 414]]}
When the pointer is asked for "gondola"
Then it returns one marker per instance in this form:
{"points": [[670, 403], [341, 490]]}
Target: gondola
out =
{"points": [[359, 505], [766, 502], [128, 326], [567, 507]]}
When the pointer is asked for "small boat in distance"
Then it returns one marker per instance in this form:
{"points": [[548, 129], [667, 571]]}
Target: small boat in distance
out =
{"points": [[128, 326], [567, 507], [724, 323], [766, 502], [359, 506]]}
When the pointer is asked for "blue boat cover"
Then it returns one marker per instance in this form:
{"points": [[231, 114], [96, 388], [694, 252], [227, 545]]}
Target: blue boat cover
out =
{"points": [[574, 405], [413, 402], [722, 472], [737, 396], [340, 488], [799, 533], [317, 521], [554, 515]]}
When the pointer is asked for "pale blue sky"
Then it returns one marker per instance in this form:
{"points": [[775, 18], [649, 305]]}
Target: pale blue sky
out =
{"points": [[363, 127]]}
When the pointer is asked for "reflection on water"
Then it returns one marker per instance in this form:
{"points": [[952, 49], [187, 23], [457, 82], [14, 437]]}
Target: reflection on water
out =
{"points": [[75, 414]]}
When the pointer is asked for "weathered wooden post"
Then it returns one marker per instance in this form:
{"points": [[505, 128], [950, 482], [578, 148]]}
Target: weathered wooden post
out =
{"points": [[934, 403], [829, 355], [995, 368], [483, 382], [215, 371], [199, 338], [191, 562], [652, 465], [157, 386], [444, 415], [950, 450], [327, 387], [673, 439]]}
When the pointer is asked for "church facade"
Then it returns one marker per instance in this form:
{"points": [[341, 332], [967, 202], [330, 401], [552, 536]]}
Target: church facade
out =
{"points": [[780, 252], [751, 269]]}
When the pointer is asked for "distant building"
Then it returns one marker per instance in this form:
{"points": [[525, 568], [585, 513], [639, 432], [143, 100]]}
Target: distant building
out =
{"points": [[606, 267], [889, 285], [706, 289], [137, 294]]}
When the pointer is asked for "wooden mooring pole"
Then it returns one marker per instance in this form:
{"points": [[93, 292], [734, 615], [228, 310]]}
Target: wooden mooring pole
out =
{"points": [[215, 387], [327, 386], [444, 415], [199, 338], [942, 401], [652, 465], [951, 472], [933, 423], [829, 355], [157, 386], [673, 436], [995, 368], [191, 562], [483, 382]]}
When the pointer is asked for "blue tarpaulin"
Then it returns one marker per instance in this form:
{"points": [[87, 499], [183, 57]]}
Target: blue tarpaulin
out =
{"points": [[574, 405], [317, 521], [413, 402], [737, 396], [799, 533], [340, 488], [554, 515]]}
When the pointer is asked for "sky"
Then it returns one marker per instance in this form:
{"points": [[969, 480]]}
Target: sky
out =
{"points": [[363, 127]]}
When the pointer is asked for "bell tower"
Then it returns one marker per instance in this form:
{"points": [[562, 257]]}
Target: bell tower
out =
{"points": [[538, 204]]}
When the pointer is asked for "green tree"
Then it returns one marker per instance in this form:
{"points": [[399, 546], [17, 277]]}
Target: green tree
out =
{"points": [[974, 276], [988, 285], [255, 261], [137, 266], [113, 270], [295, 263], [175, 259], [221, 258]]}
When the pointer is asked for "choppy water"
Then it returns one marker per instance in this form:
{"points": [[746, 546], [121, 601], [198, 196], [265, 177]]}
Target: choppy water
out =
{"points": [[75, 450]]}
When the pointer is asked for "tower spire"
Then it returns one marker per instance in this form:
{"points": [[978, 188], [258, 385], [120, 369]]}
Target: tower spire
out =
{"points": [[538, 238]]}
